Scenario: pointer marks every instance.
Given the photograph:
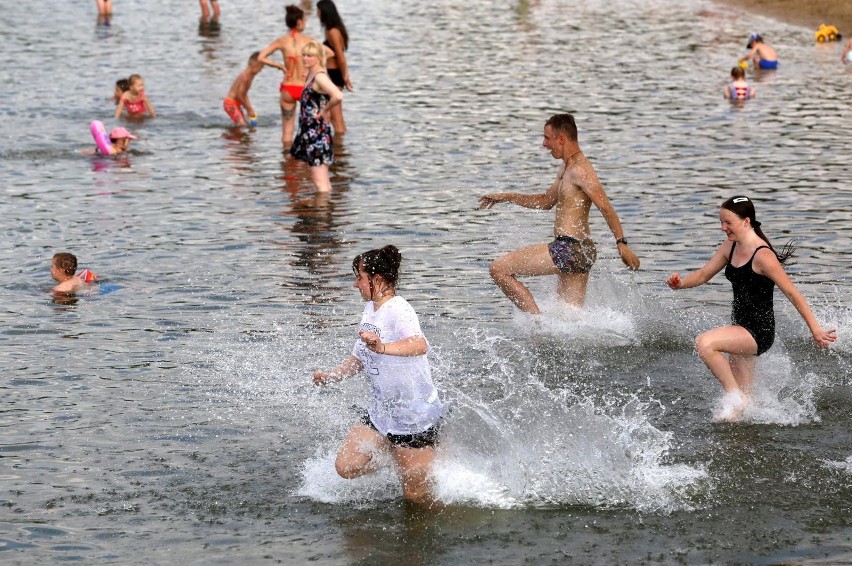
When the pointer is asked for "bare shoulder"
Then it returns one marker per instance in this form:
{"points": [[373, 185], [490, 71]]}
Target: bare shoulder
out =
{"points": [[765, 258], [580, 172]]}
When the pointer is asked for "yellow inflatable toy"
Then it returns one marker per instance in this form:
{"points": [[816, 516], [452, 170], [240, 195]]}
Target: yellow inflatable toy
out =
{"points": [[827, 33], [744, 65]]}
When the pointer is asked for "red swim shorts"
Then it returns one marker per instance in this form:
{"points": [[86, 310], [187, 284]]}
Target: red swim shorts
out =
{"points": [[232, 107]]}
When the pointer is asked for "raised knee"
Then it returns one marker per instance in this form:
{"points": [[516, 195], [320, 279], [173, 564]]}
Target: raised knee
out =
{"points": [[702, 345], [345, 469], [497, 271]]}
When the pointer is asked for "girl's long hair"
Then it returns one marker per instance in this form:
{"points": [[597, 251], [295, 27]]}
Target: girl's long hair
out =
{"points": [[330, 19], [744, 208]]}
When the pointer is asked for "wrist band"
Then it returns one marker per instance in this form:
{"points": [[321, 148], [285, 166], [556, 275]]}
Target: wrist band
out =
{"points": [[621, 240]]}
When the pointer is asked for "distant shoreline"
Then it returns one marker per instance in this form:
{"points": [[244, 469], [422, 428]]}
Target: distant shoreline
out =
{"points": [[807, 13]]}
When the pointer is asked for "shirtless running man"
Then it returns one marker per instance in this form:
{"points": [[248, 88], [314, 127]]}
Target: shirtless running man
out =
{"points": [[571, 255]]}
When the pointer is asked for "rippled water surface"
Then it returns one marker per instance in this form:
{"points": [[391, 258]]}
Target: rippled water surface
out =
{"points": [[172, 418]]}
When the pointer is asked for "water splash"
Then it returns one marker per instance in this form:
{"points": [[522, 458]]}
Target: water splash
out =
{"points": [[510, 441], [844, 465], [781, 394]]}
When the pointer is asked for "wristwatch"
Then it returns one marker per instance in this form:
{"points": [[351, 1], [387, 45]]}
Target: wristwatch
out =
{"points": [[621, 240]]}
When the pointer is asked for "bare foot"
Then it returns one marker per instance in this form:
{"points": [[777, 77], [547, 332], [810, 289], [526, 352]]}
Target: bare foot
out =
{"points": [[733, 405]]}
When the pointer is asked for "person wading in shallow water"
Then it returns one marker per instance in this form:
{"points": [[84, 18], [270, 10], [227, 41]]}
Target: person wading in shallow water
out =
{"points": [[572, 253], [405, 411], [754, 268]]}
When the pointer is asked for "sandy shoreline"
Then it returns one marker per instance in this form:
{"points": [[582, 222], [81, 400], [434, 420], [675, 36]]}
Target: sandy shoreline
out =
{"points": [[807, 13]]}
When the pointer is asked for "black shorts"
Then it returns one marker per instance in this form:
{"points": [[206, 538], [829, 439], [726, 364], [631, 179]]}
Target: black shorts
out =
{"points": [[336, 77], [425, 439]]}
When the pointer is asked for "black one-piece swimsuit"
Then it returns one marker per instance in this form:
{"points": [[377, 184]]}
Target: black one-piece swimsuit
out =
{"points": [[752, 306]]}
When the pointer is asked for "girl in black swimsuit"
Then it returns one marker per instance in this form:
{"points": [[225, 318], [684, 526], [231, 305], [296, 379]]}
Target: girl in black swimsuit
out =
{"points": [[754, 269], [336, 39]]}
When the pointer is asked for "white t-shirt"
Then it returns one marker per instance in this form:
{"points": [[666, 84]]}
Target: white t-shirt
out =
{"points": [[404, 399]]}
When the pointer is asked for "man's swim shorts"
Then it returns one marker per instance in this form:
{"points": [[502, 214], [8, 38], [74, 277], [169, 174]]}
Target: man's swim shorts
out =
{"points": [[571, 255], [764, 64]]}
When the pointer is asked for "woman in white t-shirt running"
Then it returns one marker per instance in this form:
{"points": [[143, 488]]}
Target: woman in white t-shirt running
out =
{"points": [[405, 411]]}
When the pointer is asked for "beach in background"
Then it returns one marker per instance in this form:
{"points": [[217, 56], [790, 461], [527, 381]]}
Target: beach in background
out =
{"points": [[806, 13], [172, 419]]}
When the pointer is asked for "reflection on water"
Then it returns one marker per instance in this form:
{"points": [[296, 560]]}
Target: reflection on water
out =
{"points": [[186, 394], [209, 28]]}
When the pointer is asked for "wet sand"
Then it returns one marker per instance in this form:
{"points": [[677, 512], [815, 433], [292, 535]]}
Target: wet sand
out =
{"points": [[807, 13]]}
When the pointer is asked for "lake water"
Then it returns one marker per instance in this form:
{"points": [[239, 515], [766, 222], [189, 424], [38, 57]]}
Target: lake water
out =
{"points": [[172, 419]]}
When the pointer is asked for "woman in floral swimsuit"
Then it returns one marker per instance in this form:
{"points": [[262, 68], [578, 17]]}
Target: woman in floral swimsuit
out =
{"points": [[314, 139]]}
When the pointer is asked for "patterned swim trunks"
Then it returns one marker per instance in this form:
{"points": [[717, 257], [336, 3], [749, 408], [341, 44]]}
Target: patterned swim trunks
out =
{"points": [[571, 255], [232, 107]]}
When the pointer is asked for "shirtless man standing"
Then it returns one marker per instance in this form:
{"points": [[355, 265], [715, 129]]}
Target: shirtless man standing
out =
{"points": [[571, 255]]}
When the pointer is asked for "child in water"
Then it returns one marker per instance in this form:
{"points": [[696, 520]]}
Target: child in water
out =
{"points": [[238, 98], [120, 142], [762, 54], [121, 86], [135, 101], [738, 88], [62, 269]]}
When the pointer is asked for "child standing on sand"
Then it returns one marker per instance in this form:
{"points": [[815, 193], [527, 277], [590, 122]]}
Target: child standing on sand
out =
{"points": [[238, 98], [135, 101]]}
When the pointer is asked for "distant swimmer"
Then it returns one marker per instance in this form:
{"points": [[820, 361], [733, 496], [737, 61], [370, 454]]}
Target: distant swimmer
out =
{"points": [[404, 412], [738, 88], [754, 268], [62, 270], [762, 54], [572, 253], [134, 101], [121, 86], [114, 143], [238, 98]]}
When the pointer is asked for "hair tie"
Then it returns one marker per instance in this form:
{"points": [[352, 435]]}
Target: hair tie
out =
{"points": [[755, 224]]}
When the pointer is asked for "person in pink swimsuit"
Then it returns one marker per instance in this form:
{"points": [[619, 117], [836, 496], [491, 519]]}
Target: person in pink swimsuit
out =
{"points": [[135, 101]]}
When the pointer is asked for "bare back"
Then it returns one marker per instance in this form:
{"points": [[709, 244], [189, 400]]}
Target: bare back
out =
{"points": [[766, 52], [290, 46], [240, 85]]}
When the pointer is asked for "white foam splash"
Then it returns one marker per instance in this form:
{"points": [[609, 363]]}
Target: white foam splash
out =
{"points": [[781, 395], [844, 465], [320, 482], [591, 325], [543, 450]]}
